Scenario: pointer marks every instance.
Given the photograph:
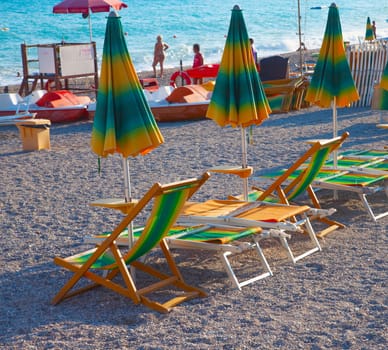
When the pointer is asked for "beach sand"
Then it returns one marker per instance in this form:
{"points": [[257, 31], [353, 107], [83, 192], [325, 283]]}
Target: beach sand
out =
{"points": [[333, 299]]}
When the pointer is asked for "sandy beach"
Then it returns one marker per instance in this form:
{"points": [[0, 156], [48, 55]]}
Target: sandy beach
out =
{"points": [[333, 299]]}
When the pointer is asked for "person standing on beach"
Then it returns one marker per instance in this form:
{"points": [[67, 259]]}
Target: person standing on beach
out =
{"points": [[254, 54], [198, 61], [159, 54], [374, 29]]}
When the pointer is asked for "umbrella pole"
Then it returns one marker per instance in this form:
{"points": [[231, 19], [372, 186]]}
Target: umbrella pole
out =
{"points": [[335, 132], [90, 27], [128, 196], [335, 129], [244, 161], [301, 58]]}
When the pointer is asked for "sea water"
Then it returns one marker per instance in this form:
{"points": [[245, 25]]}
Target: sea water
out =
{"points": [[273, 24]]}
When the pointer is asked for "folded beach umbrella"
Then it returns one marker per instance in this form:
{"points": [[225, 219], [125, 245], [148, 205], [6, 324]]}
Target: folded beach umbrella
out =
{"points": [[384, 78], [369, 30], [238, 98], [123, 121], [380, 101], [332, 83], [86, 7]]}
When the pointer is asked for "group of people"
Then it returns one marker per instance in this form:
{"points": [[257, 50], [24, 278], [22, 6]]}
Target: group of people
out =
{"points": [[159, 57], [161, 47]]}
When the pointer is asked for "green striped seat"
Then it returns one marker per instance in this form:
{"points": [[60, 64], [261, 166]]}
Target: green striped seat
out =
{"points": [[336, 177], [371, 153], [163, 215], [377, 166], [209, 237], [167, 202], [200, 233], [286, 185], [347, 179], [210, 234], [308, 166]]}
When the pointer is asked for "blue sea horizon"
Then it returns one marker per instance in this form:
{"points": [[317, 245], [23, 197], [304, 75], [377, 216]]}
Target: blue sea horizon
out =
{"points": [[273, 25]]}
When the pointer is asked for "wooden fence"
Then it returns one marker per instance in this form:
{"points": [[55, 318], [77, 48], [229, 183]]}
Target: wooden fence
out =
{"points": [[367, 62]]}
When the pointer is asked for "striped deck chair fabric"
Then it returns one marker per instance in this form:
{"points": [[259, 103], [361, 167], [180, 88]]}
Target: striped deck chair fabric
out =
{"points": [[370, 161], [223, 240], [365, 185], [167, 202], [277, 220], [374, 166], [279, 188], [358, 180], [366, 154]]}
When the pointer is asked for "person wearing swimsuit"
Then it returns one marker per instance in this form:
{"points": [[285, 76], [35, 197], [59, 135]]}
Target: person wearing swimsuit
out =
{"points": [[159, 54], [198, 61]]}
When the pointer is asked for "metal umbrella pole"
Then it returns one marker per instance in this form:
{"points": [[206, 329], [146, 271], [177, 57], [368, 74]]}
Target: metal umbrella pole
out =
{"points": [[244, 161], [90, 27], [128, 196], [301, 58]]}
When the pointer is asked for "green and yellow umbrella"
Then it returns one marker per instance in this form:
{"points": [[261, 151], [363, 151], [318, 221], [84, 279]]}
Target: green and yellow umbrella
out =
{"points": [[332, 83], [238, 98], [384, 78], [369, 30], [123, 121], [381, 101]]}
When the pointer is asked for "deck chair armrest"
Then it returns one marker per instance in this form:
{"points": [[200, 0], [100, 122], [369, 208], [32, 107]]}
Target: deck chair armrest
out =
{"points": [[321, 212]]}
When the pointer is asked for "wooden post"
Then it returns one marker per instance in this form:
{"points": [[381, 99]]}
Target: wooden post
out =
{"points": [[24, 85]]}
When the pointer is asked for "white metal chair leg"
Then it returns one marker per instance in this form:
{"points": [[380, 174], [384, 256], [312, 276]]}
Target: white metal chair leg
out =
{"points": [[232, 275], [369, 208], [313, 239]]}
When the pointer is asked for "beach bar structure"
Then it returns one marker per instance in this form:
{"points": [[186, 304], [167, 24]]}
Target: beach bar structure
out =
{"points": [[53, 66]]}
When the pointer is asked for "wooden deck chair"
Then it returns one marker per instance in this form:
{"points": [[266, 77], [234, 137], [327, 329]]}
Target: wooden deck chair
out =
{"points": [[284, 94], [223, 240], [218, 225], [167, 202], [365, 180], [274, 218], [281, 189], [361, 183]]}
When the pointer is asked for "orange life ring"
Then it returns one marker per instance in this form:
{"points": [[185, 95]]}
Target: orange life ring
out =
{"points": [[50, 85], [183, 75]]}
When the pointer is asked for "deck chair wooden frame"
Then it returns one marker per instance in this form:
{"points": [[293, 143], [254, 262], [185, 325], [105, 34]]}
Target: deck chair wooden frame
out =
{"points": [[284, 191], [252, 220], [167, 202], [225, 241], [321, 176], [364, 184], [279, 221]]}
